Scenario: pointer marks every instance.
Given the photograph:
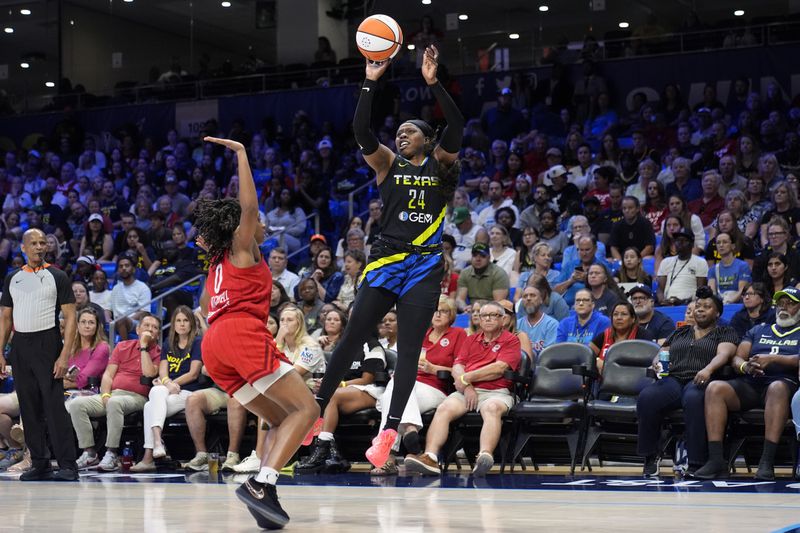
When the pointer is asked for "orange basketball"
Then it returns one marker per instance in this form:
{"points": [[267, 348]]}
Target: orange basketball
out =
{"points": [[379, 37]]}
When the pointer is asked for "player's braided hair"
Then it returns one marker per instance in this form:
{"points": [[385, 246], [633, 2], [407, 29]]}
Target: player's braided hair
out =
{"points": [[216, 221]]}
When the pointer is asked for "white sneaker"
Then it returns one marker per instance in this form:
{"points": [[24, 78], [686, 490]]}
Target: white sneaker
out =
{"points": [[231, 460], [87, 461], [159, 452], [251, 464], [110, 462], [199, 463]]}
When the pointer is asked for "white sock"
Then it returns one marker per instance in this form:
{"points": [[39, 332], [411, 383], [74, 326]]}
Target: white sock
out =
{"points": [[325, 435], [433, 456], [267, 475]]}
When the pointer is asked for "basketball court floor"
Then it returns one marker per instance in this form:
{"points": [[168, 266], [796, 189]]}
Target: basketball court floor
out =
{"points": [[604, 500]]}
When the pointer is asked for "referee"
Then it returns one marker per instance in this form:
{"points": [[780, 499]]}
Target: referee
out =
{"points": [[32, 298]]}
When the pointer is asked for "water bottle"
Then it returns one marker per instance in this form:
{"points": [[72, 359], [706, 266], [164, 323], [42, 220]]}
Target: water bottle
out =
{"points": [[663, 359], [127, 457]]}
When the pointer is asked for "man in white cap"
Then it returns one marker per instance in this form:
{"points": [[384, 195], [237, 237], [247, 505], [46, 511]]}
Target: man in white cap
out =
{"points": [[561, 191]]}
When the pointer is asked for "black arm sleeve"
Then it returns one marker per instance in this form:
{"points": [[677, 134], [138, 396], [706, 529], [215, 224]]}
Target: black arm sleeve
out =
{"points": [[364, 136], [453, 134]]}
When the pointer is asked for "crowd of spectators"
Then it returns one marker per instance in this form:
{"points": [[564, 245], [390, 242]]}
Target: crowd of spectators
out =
{"points": [[578, 236]]}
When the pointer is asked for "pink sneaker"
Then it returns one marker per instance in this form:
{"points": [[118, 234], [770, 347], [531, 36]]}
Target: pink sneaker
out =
{"points": [[381, 447], [315, 429]]}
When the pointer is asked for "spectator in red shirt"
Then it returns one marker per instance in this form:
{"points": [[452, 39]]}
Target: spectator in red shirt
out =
{"points": [[121, 393], [440, 346], [708, 206], [599, 187], [480, 386]]}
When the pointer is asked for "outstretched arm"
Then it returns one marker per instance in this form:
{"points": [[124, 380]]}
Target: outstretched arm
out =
{"points": [[453, 135], [377, 156], [248, 201]]}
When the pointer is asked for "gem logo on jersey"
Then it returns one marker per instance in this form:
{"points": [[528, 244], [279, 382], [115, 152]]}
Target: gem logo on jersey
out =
{"points": [[423, 218]]}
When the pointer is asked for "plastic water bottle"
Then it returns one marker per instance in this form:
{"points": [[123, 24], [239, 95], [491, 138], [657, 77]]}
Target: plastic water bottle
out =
{"points": [[127, 457], [663, 359]]}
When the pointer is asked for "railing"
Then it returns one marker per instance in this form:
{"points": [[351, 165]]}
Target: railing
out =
{"points": [[149, 305], [304, 247], [352, 195], [461, 53]]}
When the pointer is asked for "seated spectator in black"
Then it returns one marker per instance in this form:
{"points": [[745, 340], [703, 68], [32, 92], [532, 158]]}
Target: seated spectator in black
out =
{"points": [[550, 234], [632, 231], [757, 309], [96, 242], [480, 386], [178, 264], [599, 225], [310, 303], [100, 293], [624, 326], [767, 360], [111, 205], [51, 214], [507, 218], [158, 231], [140, 252], [696, 353], [81, 291], [85, 267], [779, 274], [357, 391], [315, 243], [561, 191], [631, 272], [659, 325], [329, 279], [615, 195], [279, 298], [604, 289], [127, 221]]}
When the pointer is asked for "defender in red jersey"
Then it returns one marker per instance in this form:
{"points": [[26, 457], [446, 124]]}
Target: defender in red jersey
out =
{"points": [[238, 351]]}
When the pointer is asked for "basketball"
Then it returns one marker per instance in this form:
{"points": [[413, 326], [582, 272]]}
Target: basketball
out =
{"points": [[379, 37]]}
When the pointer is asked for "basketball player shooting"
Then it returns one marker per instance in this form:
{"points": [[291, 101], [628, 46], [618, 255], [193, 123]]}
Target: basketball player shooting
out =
{"points": [[405, 265]]}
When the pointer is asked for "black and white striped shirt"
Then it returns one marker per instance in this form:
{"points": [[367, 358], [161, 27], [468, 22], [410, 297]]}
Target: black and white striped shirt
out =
{"points": [[36, 297], [688, 356]]}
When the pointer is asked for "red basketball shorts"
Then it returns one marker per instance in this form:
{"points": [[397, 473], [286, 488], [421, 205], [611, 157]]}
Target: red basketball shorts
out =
{"points": [[238, 350]]}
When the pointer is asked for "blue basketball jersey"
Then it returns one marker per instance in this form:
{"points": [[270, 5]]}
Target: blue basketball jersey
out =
{"points": [[773, 339]]}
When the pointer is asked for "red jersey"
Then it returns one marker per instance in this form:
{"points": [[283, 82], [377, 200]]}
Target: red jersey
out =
{"points": [[476, 353], [239, 290], [442, 353]]}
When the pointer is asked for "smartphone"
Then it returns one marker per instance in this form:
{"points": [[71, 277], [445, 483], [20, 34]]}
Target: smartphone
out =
{"points": [[72, 370]]}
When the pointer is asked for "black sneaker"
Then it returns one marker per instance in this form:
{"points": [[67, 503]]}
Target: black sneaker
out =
{"points": [[66, 474], [650, 466], [37, 473], [336, 464], [262, 502], [315, 462], [411, 443], [765, 472], [713, 469]]}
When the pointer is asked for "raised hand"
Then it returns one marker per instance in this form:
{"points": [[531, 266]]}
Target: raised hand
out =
{"points": [[375, 69], [430, 63], [228, 143]]}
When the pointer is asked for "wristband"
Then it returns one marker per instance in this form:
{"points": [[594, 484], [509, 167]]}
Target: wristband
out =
{"points": [[343, 384], [464, 381], [741, 367], [144, 349], [105, 395]]}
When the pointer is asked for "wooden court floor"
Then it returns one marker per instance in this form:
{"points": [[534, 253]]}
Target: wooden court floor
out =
{"points": [[157, 504]]}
